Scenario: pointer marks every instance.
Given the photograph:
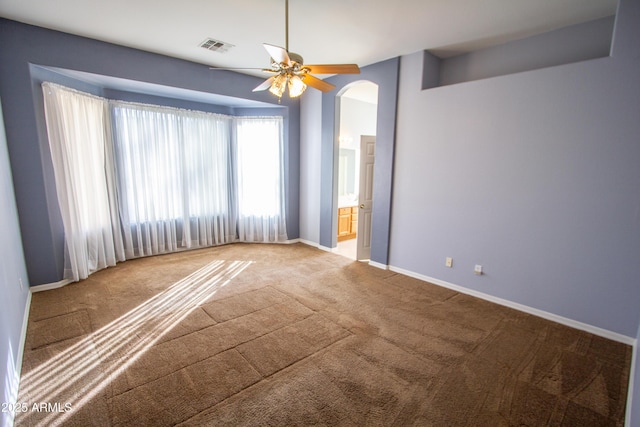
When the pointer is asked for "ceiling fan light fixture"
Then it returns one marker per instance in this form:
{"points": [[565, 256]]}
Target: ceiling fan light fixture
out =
{"points": [[296, 86], [278, 85]]}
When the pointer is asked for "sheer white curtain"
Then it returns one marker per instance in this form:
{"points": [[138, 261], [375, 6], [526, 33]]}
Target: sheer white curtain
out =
{"points": [[136, 180], [174, 178], [83, 168], [260, 173]]}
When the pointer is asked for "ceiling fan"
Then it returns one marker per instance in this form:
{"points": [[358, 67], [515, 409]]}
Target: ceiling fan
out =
{"points": [[289, 70]]}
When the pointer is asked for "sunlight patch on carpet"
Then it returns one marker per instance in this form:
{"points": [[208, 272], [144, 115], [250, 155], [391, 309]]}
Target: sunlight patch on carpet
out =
{"points": [[79, 373]]}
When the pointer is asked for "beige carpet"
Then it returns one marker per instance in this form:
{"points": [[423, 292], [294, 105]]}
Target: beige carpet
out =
{"points": [[280, 335]]}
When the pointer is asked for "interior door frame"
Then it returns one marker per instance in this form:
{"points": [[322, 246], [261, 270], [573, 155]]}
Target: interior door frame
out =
{"points": [[336, 154]]}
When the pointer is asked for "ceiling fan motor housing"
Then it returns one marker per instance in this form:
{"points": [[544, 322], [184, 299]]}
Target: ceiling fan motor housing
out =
{"points": [[294, 57]]}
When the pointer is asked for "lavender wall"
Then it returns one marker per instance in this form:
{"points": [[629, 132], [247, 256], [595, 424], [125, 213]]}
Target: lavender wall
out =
{"points": [[575, 43], [532, 175], [23, 46], [14, 285], [357, 118], [310, 152]]}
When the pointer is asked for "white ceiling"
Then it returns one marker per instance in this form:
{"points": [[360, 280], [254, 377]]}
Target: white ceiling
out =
{"points": [[327, 31]]}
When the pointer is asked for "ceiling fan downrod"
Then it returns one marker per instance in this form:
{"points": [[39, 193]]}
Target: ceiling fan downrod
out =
{"points": [[286, 25]]}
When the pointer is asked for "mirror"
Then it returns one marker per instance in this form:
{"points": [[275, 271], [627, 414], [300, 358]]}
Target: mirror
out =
{"points": [[347, 178]]}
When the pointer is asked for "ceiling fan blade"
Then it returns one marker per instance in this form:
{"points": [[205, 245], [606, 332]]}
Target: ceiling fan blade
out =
{"points": [[333, 69], [278, 54], [315, 82], [265, 84]]}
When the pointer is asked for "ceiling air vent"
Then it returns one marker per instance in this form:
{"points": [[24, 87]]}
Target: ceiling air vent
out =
{"points": [[216, 45]]}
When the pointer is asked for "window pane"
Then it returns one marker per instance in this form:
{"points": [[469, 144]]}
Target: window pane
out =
{"points": [[259, 168]]}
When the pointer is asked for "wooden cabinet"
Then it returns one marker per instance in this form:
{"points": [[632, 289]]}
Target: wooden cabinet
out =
{"points": [[347, 223]]}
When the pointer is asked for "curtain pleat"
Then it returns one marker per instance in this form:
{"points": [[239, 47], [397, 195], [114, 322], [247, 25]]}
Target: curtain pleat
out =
{"points": [[77, 130]]}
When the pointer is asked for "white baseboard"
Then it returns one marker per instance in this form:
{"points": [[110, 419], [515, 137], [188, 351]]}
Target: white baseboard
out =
{"points": [[632, 375], [17, 368], [23, 332], [291, 241], [49, 286], [378, 265], [324, 248], [309, 243], [25, 321], [524, 308]]}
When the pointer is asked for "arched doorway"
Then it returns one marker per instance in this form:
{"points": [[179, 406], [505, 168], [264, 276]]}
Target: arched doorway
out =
{"points": [[357, 107]]}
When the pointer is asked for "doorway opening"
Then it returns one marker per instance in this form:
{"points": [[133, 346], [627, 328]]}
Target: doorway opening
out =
{"points": [[355, 150]]}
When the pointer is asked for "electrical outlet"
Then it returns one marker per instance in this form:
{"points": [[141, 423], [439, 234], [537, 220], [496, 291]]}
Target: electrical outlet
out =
{"points": [[21, 285], [448, 262], [478, 269]]}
